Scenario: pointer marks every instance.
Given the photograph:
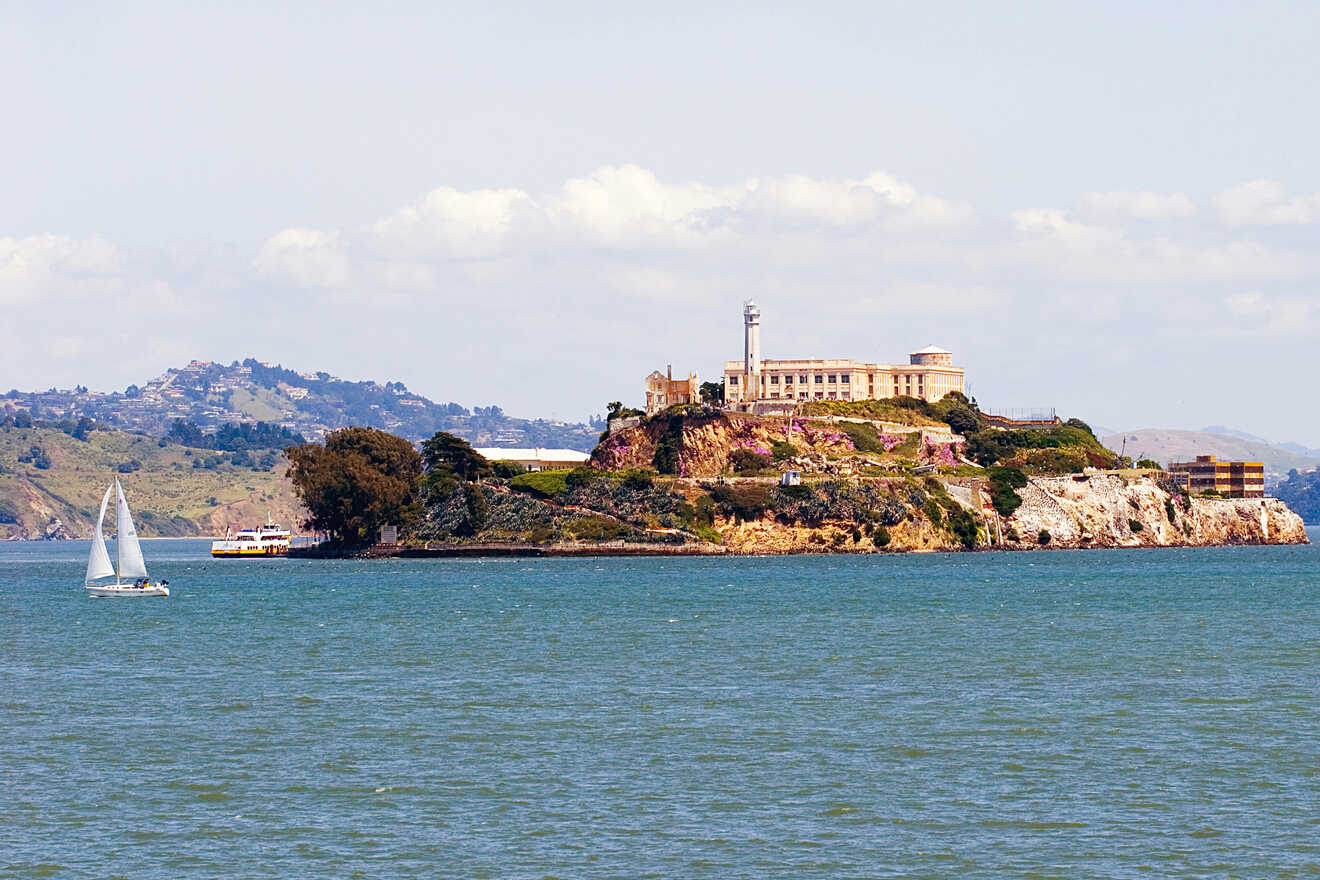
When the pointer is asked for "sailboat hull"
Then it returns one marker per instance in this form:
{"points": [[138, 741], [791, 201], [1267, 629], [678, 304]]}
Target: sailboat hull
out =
{"points": [[110, 591]]}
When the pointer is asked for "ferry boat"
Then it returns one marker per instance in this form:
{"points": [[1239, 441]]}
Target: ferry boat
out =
{"points": [[269, 539]]}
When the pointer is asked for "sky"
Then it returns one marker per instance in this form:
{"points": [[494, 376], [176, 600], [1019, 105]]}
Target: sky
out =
{"points": [[1112, 209]]}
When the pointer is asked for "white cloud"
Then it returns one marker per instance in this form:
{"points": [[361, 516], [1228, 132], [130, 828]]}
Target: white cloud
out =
{"points": [[1123, 204], [1265, 203], [447, 223], [617, 271], [309, 257], [1273, 315], [42, 267]]}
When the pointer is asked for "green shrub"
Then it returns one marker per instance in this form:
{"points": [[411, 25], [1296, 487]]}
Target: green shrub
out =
{"points": [[1134, 525], [1053, 460], [541, 533], [1169, 511], [880, 536], [782, 450], [543, 484], [595, 528], [964, 527], [743, 502], [864, 436], [639, 479], [1043, 538], [1003, 481], [932, 509], [748, 460], [708, 534], [1150, 463], [962, 420]]}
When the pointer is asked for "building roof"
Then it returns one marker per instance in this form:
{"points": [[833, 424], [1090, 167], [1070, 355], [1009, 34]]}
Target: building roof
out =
{"points": [[932, 349], [493, 453]]}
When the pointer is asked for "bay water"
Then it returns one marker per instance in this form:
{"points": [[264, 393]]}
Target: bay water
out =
{"points": [[1146, 713]]}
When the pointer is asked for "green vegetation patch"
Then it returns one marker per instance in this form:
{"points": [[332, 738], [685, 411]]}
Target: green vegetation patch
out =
{"points": [[596, 528], [543, 484], [900, 410], [1003, 482]]}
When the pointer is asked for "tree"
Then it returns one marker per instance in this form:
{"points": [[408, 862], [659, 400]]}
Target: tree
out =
{"points": [[445, 453], [962, 420], [712, 393], [361, 479], [616, 410], [80, 430]]}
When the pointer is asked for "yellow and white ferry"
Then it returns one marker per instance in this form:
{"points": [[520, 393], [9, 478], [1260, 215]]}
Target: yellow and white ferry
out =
{"points": [[270, 539]]}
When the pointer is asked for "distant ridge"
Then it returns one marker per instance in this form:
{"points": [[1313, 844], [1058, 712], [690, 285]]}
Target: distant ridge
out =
{"points": [[210, 394], [1166, 444]]}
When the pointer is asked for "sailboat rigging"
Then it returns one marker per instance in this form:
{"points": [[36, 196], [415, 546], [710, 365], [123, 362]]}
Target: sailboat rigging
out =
{"points": [[128, 552]]}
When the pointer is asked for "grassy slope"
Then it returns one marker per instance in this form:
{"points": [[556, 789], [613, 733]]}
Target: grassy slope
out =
{"points": [[880, 410], [260, 406], [168, 495]]}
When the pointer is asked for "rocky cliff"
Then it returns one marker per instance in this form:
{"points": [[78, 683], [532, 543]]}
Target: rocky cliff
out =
{"points": [[1069, 512], [1109, 510]]}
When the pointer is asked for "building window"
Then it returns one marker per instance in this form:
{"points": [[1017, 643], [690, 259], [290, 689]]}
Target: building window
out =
{"points": [[733, 380], [845, 395], [774, 395], [774, 380], [802, 380], [820, 395], [802, 395], [845, 379], [833, 379], [832, 395], [820, 380]]}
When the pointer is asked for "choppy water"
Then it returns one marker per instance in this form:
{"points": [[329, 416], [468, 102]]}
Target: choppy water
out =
{"points": [[1091, 714]]}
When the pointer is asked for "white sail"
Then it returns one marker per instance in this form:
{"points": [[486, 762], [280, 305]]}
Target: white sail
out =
{"points": [[131, 564], [98, 561]]}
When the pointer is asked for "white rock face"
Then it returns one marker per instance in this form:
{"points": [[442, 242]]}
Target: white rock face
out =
{"points": [[1112, 511]]}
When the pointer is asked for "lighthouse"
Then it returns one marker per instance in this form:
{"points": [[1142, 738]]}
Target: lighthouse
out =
{"points": [[751, 351]]}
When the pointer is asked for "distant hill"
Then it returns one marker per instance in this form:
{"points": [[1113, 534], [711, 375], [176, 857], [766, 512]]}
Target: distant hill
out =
{"points": [[51, 484], [1166, 444], [1301, 492], [212, 395]]}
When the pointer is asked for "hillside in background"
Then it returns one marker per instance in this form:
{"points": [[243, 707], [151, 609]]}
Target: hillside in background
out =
{"points": [[1301, 492], [51, 484], [211, 395], [1165, 445]]}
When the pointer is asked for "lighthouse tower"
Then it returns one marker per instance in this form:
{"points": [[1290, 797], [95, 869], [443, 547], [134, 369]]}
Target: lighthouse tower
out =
{"points": [[751, 351]]}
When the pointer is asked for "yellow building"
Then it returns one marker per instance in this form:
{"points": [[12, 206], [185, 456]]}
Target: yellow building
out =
{"points": [[1238, 479], [928, 375]]}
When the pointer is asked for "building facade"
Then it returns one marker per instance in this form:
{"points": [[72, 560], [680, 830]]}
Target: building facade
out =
{"points": [[1238, 479], [663, 390], [929, 374], [536, 459]]}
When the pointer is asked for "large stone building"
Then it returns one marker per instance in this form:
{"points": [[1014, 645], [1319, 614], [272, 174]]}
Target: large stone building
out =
{"points": [[663, 390], [928, 375], [1238, 479]]}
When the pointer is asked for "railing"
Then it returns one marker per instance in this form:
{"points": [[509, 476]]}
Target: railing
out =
{"points": [[1023, 414]]}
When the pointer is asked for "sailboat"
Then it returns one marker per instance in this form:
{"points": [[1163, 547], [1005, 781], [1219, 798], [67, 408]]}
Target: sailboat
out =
{"points": [[129, 551]]}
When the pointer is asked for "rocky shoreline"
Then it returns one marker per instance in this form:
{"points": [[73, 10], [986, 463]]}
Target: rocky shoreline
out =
{"points": [[1075, 512]]}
